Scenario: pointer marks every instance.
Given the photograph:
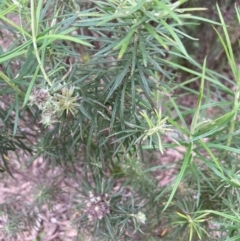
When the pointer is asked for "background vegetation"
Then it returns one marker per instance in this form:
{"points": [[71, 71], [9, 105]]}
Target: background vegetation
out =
{"points": [[141, 97]]}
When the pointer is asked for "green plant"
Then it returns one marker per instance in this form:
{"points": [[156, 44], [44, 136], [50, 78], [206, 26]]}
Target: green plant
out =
{"points": [[101, 82]]}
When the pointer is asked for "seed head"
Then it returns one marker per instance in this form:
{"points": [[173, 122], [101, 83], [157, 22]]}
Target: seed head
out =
{"points": [[97, 206]]}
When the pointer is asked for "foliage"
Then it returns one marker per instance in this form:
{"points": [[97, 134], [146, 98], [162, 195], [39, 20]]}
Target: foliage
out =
{"points": [[101, 82]]}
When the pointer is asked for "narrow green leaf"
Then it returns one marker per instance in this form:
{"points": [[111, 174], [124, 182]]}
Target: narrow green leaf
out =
{"points": [[44, 10], [211, 155], [169, 9], [10, 83], [144, 81], [237, 9], [125, 13], [16, 115], [174, 123], [176, 38], [218, 83], [30, 86], [117, 82], [199, 102], [85, 112], [38, 13], [213, 125], [133, 93], [152, 31], [187, 159], [221, 214], [110, 228], [122, 104], [223, 147], [145, 87], [53, 37], [10, 9], [228, 50], [179, 114], [115, 109], [143, 49], [20, 50], [134, 57], [106, 49], [235, 238], [21, 30], [124, 43]]}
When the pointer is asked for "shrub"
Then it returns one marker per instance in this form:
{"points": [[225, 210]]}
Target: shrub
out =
{"points": [[97, 86]]}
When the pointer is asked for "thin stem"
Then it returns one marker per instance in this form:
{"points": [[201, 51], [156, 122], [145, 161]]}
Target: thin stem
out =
{"points": [[233, 120], [9, 82], [34, 39]]}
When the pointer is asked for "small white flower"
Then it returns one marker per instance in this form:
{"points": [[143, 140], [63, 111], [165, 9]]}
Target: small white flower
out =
{"points": [[141, 217]]}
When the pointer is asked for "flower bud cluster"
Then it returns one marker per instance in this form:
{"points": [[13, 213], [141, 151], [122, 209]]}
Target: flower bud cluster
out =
{"points": [[52, 106], [97, 206]]}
